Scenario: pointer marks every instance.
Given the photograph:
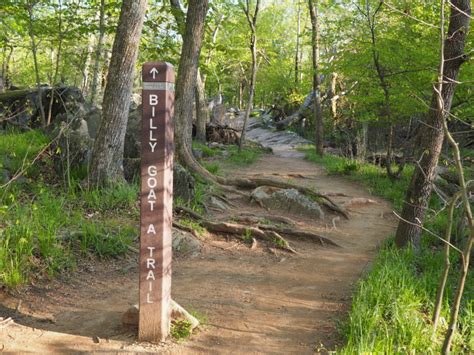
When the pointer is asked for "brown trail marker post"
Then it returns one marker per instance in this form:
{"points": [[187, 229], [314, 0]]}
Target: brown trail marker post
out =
{"points": [[156, 197]]}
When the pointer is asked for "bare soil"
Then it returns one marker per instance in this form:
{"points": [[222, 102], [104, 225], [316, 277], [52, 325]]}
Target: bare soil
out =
{"points": [[260, 300]]}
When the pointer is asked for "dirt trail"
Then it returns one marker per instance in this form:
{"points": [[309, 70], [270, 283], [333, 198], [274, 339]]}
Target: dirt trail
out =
{"points": [[255, 301]]}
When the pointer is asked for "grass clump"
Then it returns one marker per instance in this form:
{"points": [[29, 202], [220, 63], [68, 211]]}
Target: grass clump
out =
{"points": [[180, 329], [393, 305], [247, 156], [45, 228], [372, 176], [207, 152]]}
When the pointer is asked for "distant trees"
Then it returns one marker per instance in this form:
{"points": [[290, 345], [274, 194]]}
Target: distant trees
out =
{"points": [[107, 156]]}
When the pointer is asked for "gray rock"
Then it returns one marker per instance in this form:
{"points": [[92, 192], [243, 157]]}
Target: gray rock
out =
{"points": [[217, 204], [185, 243], [289, 200], [183, 184], [133, 135], [93, 118], [198, 153]]}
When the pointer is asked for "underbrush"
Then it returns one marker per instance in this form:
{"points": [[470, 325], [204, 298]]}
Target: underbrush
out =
{"points": [[44, 227], [393, 303]]}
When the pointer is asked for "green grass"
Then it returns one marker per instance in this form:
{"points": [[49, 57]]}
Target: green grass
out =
{"points": [[45, 228], [206, 151], [247, 156], [393, 303], [371, 176]]}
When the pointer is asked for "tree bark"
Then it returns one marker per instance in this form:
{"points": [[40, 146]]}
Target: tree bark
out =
{"points": [[252, 20], [107, 155], [30, 7], [297, 49], [318, 111], [187, 76], [419, 191], [98, 54], [202, 111]]}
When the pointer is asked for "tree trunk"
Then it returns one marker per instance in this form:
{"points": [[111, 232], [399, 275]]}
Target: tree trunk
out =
{"points": [[202, 111], [187, 76], [98, 54], [419, 191], [252, 20], [297, 49], [31, 33], [107, 155], [318, 112]]}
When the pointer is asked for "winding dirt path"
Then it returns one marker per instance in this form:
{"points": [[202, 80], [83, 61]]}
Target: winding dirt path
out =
{"points": [[255, 300]]}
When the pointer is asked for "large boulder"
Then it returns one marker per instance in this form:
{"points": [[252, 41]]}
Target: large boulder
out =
{"points": [[288, 200]]}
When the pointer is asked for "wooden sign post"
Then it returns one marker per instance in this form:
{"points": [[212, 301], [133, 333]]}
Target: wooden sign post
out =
{"points": [[156, 201]]}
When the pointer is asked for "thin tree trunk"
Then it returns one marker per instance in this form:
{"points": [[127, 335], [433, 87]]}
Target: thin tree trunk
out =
{"points": [[318, 111], [98, 54], [58, 58], [202, 111], [252, 20], [419, 191], [297, 49], [107, 155], [187, 76], [30, 6]]}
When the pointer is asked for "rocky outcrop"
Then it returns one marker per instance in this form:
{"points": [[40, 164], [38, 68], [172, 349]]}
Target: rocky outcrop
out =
{"points": [[288, 200]]}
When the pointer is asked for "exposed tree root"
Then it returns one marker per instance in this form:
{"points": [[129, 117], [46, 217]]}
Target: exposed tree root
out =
{"points": [[251, 183], [324, 241], [251, 218], [259, 230]]}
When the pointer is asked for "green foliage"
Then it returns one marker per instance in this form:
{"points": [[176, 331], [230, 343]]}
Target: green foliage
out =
{"points": [[180, 329], [374, 177], [121, 196], [206, 151], [247, 156], [105, 241], [393, 305], [213, 168], [42, 227]]}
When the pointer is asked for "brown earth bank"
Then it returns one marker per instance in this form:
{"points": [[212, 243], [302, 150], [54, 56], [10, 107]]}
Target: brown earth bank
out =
{"points": [[254, 300]]}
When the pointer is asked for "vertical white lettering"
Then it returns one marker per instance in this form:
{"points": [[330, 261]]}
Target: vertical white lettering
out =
{"points": [[152, 139], [150, 263], [152, 170], [151, 121], [152, 182], [148, 300], [150, 276], [151, 229], [151, 250], [152, 205], [152, 195], [152, 145], [153, 100], [152, 112]]}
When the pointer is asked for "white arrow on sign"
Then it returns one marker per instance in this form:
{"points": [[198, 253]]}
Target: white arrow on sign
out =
{"points": [[153, 72]]}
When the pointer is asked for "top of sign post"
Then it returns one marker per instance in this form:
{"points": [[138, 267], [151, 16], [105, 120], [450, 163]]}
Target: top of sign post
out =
{"points": [[158, 72]]}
